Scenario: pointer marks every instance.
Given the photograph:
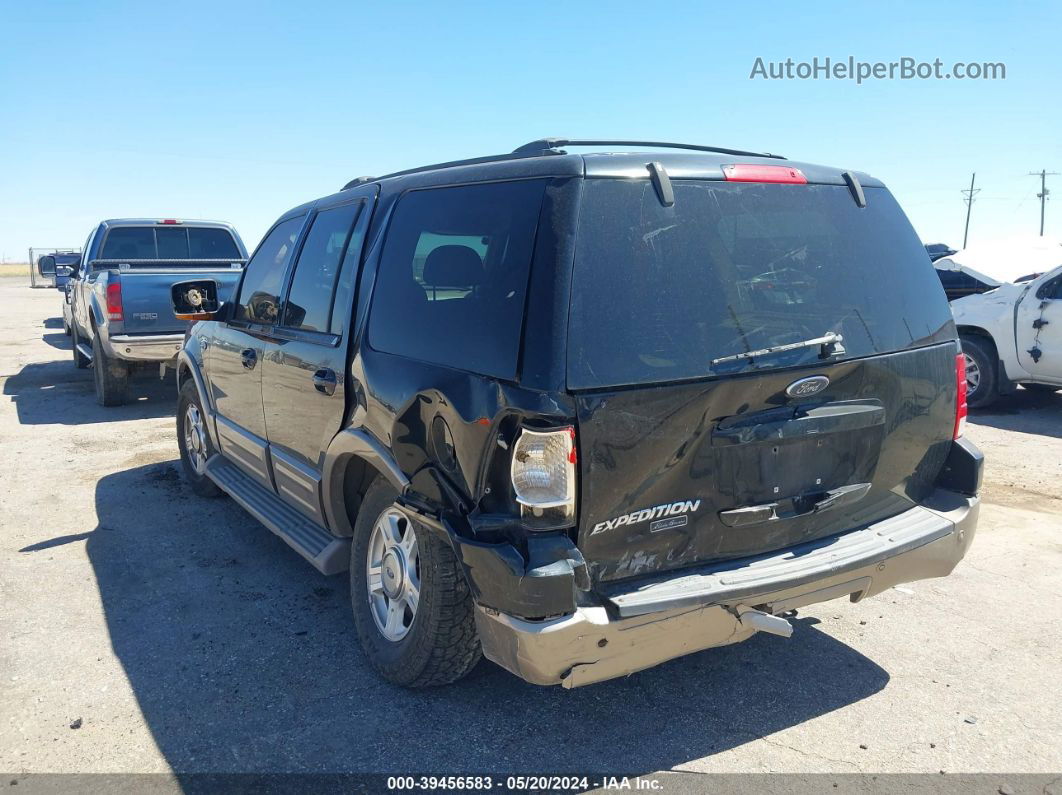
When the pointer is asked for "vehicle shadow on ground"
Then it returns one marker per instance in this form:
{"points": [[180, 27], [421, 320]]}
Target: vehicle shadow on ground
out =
{"points": [[59, 341], [1024, 411], [53, 322], [243, 658], [57, 393]]}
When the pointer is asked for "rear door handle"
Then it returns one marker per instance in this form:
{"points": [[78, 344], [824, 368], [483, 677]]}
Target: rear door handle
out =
{"points": [[249, 357], [324, 381]]}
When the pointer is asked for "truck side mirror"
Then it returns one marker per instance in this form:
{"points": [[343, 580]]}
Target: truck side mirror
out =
{"points": [[196, 300]]}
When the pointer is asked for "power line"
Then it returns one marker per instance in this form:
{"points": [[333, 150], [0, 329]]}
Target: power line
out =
{"points": [[1043, 174], [969, 199]]}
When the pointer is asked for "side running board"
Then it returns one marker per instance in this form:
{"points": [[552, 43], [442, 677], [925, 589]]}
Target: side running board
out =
{"points": [[85, 350], [328, 554]]}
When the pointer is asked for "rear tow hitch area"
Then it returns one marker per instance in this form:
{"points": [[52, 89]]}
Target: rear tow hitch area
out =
{"points": [[762, 622]]}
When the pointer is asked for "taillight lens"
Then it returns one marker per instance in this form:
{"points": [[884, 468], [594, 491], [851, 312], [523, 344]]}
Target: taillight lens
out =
{"points": [[961, 408], [751, 172], [114, 301], [543, 470]]}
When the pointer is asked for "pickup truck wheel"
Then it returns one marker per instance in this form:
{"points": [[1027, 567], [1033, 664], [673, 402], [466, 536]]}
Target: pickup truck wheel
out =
{"points": [[66, 327], [981, 385], [111, 375], [194, 441], [412, 607], [80, 362]]}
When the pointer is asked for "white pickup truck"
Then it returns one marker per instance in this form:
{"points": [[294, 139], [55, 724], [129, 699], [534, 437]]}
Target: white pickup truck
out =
{"points": [[1012, 335]]}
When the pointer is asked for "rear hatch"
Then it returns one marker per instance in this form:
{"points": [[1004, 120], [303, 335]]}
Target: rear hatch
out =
{"points": [[151, 258], [694, 447]]}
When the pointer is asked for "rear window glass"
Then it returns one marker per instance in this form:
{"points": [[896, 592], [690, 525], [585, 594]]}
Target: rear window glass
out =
{"points": [[453, 276], [130, 242], [169, 242], [659, 292]]}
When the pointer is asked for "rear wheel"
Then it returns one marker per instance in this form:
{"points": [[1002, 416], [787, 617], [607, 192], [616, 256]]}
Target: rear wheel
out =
{"points": [[80, 361], [193, 440], [412, 607], [111, 375], [981, 383], [66, 326]]}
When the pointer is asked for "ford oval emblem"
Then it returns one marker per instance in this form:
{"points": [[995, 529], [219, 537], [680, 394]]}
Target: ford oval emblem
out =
{"points": [[806, 387]]}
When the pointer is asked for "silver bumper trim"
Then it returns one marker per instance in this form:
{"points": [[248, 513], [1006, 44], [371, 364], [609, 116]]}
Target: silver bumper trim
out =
{"points": [[153, 348], [591, 645]]}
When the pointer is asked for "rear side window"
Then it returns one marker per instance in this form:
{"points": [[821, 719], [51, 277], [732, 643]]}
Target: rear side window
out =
{"points": [[259, 300], [453, 276], [309, 302], [659, 292]]}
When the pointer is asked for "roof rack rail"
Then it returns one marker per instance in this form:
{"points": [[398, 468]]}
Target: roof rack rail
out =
{"points": [[469, 162], [357, 181], [549, 145]]}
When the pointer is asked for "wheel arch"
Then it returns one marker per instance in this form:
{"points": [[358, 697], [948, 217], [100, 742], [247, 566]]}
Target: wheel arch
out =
{"points": [[188, 368], [978, 331], [353, 461]]}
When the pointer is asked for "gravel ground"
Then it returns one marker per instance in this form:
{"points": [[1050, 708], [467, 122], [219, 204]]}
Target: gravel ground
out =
{"points": [[143, 629]]}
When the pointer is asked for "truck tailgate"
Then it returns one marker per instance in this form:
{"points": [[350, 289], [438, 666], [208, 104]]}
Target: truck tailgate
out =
{"points": [[146, 301]]}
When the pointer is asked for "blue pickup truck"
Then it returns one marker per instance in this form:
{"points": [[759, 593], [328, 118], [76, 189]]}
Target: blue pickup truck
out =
{"points": [[121, 313]]}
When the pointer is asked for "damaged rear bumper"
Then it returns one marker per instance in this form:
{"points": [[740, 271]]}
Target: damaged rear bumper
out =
{"points": [[693, 611]]}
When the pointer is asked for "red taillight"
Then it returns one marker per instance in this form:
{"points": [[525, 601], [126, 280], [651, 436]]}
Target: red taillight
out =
{"points": [[169, 221], [960, 397], [114, 301], [748, 172]]}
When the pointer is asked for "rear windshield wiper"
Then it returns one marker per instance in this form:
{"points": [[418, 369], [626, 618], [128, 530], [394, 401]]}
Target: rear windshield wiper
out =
{"points": [[830, 344]]}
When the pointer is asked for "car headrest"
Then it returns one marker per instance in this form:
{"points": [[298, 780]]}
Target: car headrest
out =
{"points": [[453, 266]]}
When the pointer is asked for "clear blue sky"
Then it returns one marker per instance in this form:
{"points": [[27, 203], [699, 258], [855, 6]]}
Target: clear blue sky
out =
{"points": [[239, 111]]}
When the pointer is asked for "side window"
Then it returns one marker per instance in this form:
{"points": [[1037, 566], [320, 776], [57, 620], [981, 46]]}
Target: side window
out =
{"points": [[309, 302], [1054, 289], [259, 298], [453, 276]]}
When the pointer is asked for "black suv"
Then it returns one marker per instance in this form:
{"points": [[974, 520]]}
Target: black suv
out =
{"points": [[583, 413]]}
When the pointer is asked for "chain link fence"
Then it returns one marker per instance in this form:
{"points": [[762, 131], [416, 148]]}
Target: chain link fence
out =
{"points": [[45, 277]]}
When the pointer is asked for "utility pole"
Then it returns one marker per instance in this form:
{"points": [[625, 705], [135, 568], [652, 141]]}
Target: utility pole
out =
{"points": [[969, 199], [1043, 174]]}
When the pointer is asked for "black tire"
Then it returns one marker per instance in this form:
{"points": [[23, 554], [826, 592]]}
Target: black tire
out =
{"points": [[66, 327], [80, 362], [1041, 388], [987, 390], [201, 484], [441, 645], [111, 375]]}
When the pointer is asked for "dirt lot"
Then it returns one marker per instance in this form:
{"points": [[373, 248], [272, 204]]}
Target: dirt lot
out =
{"points": [[177, 634]]}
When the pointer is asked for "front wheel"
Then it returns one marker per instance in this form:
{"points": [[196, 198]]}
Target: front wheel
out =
{"points": [[193, 441], [981, 385], [80, 360], [412, 607]]}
